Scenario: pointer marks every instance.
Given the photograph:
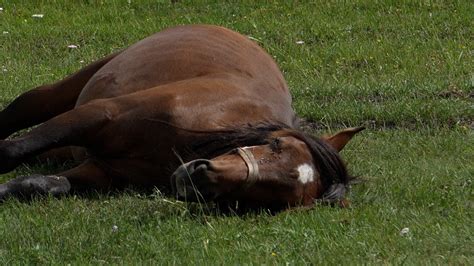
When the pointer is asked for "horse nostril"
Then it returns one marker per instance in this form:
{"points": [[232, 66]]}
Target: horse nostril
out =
{"points": [[191, 180], [198, 166]]}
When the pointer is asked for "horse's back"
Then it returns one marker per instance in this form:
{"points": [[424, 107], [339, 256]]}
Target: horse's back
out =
{"points": [[187, 52]]}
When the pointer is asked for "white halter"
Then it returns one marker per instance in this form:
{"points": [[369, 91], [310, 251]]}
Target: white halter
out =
{"points": [[252, 166]]}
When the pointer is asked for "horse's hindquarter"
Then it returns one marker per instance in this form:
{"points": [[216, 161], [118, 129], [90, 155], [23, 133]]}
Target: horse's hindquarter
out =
{"points": [[183, 53]]}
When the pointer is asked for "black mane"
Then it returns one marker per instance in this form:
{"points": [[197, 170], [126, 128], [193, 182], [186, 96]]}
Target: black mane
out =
{"points": [[214, 144], [326, 159]]}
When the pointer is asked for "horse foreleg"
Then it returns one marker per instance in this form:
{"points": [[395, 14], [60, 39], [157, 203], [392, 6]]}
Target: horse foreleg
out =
{"points": [[47, 101], [77, 127], [83, 177], [88, 176], [58, 155]]}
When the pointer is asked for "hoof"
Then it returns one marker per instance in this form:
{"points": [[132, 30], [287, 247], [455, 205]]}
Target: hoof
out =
{"points": [[35, 185], [46, 185]]}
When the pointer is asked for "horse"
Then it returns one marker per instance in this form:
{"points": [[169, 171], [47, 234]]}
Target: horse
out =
{"points": [[199, 112]]}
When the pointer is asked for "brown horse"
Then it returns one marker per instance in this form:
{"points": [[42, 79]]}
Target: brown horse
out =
{"points": [[197, 111]]}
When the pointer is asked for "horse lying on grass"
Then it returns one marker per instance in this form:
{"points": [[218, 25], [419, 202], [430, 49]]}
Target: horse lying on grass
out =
{"points": [[200, 112]]}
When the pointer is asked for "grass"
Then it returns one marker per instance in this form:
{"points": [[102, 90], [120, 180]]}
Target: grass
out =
{"points": [[403, 69]]}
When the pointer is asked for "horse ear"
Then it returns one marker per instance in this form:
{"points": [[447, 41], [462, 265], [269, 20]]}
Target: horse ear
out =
{"points": [[341, 138]]}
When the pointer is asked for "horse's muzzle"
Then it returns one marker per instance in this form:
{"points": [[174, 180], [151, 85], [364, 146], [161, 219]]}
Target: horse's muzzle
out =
{"points": [[190, 181]]}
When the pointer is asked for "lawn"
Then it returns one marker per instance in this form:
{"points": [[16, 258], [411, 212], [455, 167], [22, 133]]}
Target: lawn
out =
{"points": [[404, 70]]}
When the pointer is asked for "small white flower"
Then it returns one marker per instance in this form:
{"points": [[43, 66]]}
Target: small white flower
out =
{"points": [[4, 69], [114, 228], [72, 46], [5, 32], [405, 231], [37, 15], [299, 42], [82, 61], [1, 9]]}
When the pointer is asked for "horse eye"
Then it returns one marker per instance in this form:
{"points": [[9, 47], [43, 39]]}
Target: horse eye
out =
{"points": [[275, 144]]}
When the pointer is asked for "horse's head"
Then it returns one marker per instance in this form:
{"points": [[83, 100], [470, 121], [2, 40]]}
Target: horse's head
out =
{"points": [[288, 169]]}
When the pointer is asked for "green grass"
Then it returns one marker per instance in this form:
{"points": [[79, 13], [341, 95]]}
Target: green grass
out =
{"points": [[405, 70]]}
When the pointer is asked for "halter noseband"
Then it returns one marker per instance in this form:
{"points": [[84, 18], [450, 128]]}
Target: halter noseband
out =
{"points": [[252, 165]]}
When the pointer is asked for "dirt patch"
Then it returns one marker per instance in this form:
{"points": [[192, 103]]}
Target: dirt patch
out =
{"points": [[453, 92], [314, 127], [310, 126]]}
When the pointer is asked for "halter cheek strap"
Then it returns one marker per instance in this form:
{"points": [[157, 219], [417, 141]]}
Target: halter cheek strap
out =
{"points": [[252, 166]]}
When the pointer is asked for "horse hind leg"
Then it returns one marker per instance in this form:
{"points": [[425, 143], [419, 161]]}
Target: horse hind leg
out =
{"points": [[45, 102], [77, 127]]}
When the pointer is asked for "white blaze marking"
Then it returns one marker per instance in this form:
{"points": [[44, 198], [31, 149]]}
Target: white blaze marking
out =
{"points": [[306, 173]]}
